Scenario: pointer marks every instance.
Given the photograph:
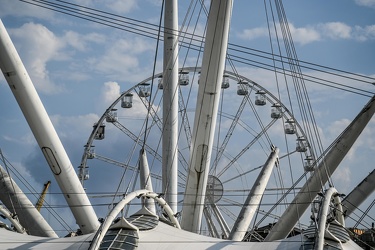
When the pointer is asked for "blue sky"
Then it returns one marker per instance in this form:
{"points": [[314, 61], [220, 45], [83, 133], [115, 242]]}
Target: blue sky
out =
{"points": [[79, 68]]}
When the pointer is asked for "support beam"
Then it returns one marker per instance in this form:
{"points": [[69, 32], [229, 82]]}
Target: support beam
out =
{"points": [[253, 199], [170, 104], [145, 181], [45, 134], [21, 207], [213, 63], [328, 165], [359, 194]]}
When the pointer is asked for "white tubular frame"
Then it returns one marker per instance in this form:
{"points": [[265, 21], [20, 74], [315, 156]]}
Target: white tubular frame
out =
{"points": [[117, 209]]}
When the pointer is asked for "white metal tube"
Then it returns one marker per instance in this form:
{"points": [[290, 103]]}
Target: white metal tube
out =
{"points": [[170, 103], [206, 112], [328, 165], [223, 224], [253, 199], [120, 206], [323, 213], [45, 134], [359, 194], [210, 224], [17, 202], [145, 181]]}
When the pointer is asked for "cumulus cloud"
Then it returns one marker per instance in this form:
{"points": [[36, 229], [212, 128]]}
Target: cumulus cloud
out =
{"points": [[367, 3], [319, 32], [364, 33], [39, 45], [110, 92], [336, 30], [302, 35], [120, 6], [121, 59]]}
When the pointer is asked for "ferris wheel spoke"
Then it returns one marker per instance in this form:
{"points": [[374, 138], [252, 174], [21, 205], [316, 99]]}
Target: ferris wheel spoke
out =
{"points": [[246, 148], [185, 119], [137, 140], [227, 137]]}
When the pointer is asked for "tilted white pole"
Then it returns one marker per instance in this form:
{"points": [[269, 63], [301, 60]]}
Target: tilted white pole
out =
{"points": [[206, 112], [45, 134], [253, 199], [145, 181], [328, 165], [17, 202], [170, 103], [359, 194]]}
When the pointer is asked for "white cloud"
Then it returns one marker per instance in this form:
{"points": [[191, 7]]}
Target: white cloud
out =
{"points": [[39, 46], [319, 32], [304, 35], [121, 59], [367, 3], [251, 34], [301, 35], [110, 92], [120, 6], [364, 33], [336, 30], [342, 178], [81, 41]]}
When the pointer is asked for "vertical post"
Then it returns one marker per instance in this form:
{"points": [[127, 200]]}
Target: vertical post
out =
{"points": [[170, 103], [206, 113]]}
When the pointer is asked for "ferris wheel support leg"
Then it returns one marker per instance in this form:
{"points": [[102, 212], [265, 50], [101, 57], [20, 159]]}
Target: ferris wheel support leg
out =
{"points": [[45, 134], [145, 180], [252, 202], [359, 194], [21, 208], [328, 164], [213, 63], [223, 224], [170, 104]]}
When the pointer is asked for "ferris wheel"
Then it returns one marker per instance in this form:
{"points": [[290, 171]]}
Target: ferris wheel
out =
{"points": [[250, 121]]}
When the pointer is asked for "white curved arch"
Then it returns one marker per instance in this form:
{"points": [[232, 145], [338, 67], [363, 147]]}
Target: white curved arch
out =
{"points": [[120, 205], [324, 210]]}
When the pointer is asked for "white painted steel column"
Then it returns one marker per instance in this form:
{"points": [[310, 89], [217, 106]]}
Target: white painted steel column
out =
{"points": [[145, 180], [253, 199], [206, 113], [17, 202], [45, 134], [170, 103], [328, 165]]}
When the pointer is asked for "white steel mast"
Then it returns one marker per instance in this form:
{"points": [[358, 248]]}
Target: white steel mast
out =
{"points": [[213, 63], [45, 134], [170, 103], [321, 174], [17, 202]]}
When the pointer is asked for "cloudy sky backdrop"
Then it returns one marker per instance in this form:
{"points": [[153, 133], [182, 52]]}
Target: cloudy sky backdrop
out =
{"points": [[79, 68]]}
